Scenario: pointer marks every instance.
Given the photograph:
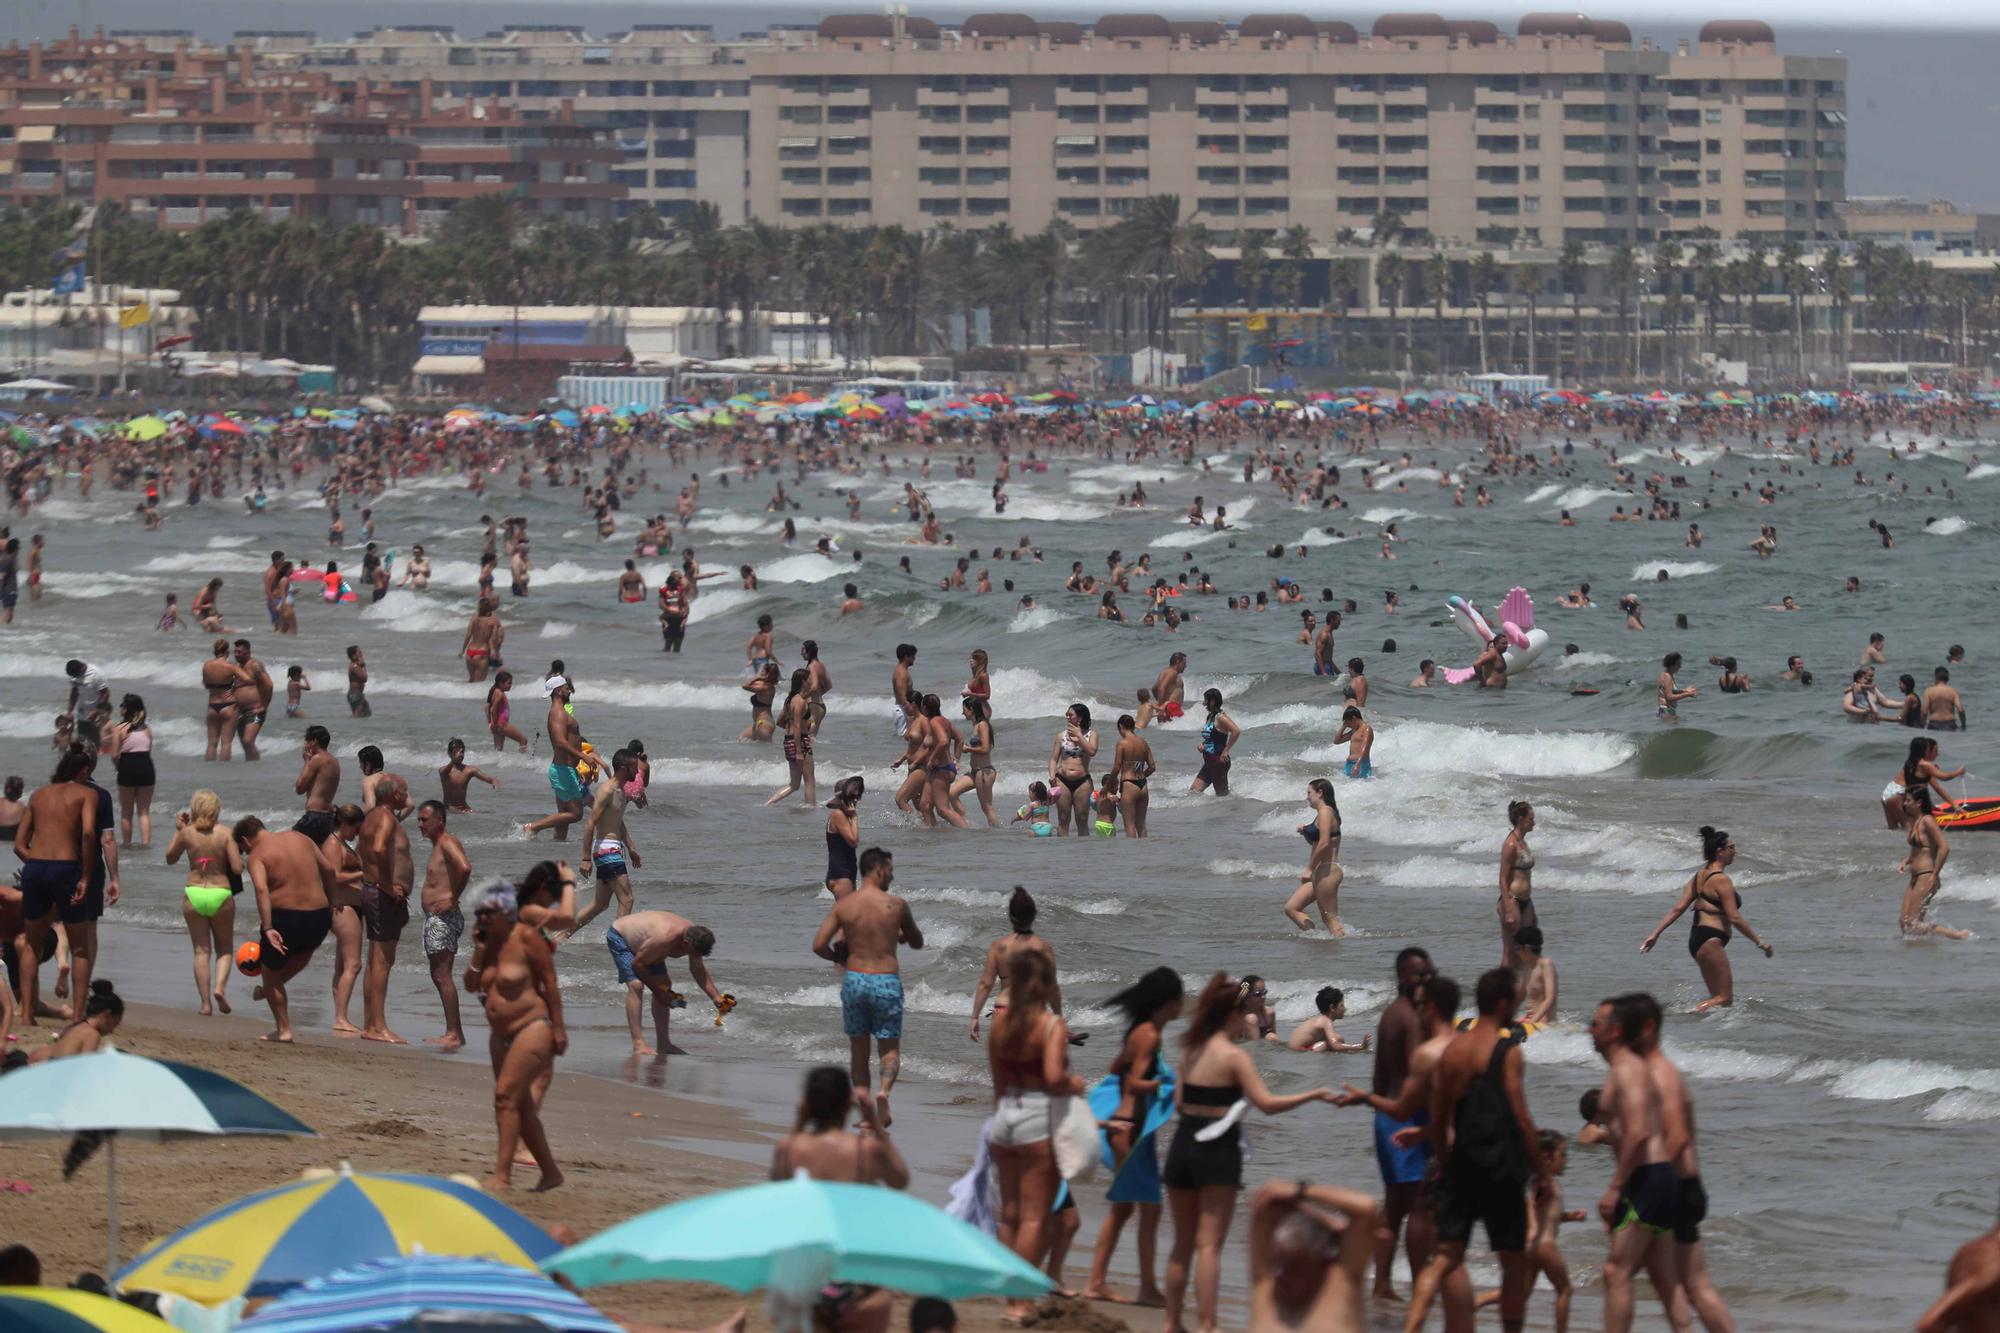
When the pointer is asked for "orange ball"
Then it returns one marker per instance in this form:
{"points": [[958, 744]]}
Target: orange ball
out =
{"points": [[250, 958]]}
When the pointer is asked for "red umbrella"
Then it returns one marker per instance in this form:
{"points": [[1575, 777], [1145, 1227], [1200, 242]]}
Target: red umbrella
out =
{"points": [[991, 399], [225, 425]]}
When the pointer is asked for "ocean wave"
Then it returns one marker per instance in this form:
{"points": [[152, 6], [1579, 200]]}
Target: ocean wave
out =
{"points": [[1648, 571], [1441, 747], [1949, 526], [204, 562], [227, 543], [1381, 515], [720, 602], [555, 629], [1580, 497], [1894, 1079], [1321, 537], [1243, 868], [1963, 1106], [923, 613], [732, 523], [1188, 536], [1541, 493], [1686, 752], [1574, 661], [1385, 480], [1026, 692], [811, 568], [1980, 471], [1034, 618], [414, 613]]}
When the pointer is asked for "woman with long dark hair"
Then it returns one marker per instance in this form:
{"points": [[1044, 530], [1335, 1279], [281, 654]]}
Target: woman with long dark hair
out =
{"points": [[1517, 866], [1925, 864], [1219, 734], [1718, 910], [1149, 1005], [941, 766], [131, 745], [843, 836], [1320, 882], [978, 754], [1204, 1175], [796, 719], [1020, 937], [1069, 771]]}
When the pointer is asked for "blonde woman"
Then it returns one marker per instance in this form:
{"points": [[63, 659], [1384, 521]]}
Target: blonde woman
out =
{"points": [[208, 904]]}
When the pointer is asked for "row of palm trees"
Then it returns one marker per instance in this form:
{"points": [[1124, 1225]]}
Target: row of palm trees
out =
{"points": [[350, 295]]}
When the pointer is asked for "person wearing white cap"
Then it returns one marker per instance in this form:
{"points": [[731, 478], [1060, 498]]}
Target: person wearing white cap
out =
{"points": [[566, 740]]}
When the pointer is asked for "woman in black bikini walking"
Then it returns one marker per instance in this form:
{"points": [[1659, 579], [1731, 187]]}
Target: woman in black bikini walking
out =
{"points": [[1718, 909]]}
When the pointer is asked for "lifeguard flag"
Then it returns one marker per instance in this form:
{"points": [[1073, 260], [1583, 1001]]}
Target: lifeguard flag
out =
{"points": [[134, 317], [1256, 323]]}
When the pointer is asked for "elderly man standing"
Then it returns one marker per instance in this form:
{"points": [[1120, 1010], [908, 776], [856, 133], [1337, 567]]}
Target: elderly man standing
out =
{"points": [[387, 876]]}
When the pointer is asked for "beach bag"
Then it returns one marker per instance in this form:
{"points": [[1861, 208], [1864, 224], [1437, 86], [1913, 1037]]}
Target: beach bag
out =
{"points": [[1074, 1130]]}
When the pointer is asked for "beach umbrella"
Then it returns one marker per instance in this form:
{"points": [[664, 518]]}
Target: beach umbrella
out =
{"points": [[60, 1310], [562, 416], [400, 1292], [145, 429], [374, 404], [271, 1241], [990, 399], [794, 1236], [110, 1092]]}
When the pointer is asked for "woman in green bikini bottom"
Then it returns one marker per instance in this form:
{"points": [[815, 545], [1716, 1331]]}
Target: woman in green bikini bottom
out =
{"points": [[215, 874]]}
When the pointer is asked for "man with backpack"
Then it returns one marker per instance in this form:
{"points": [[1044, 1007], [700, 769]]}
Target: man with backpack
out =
{"points": [[1488, 1145]]}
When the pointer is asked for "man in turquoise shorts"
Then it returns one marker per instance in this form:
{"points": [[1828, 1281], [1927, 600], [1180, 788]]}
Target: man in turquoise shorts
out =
{"points": [[870, 923], [566, 740]]}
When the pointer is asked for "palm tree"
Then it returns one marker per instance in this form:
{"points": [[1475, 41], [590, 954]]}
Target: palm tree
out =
{"points": [[1571, 273], [1840, 291], [1437, 283], [1666, 263], [1386, 230], [1253, 269], [1623, 275], [1171, 251], [1710, 284], [1296, 245], [1955, 297], [1868, 267], [1389, 278], [1482, 280], [1795, 277], [1343, 280], [1529, 280]]}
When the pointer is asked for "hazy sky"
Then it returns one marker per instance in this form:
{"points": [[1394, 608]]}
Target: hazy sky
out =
{"points": [[1923, 105]]}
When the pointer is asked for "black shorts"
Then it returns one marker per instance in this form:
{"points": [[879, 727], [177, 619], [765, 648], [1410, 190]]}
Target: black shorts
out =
{"points": [[1461, 1198], [48, 886], [1215, 774], [1651, 1198], [302, 932], [315, 824], [1193, 1165], [136, 769], [384, 915], [1693, 1212]]}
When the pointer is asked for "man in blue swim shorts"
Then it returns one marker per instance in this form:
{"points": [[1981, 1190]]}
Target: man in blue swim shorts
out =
{"points": [[566, 740], [640, 946], [860, 936], [1408, 1041], [1360, 739]]}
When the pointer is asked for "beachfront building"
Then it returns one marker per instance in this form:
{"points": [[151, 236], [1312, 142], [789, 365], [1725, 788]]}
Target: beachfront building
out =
{"points": [[1935, 226], [180, 133]]}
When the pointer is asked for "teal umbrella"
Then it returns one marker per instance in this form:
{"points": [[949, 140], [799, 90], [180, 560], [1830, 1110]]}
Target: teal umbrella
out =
{"points": [[795, 1236]]}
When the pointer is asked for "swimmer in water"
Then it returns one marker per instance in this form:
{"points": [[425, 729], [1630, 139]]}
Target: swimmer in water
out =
{"points": [[1317, 1033], [1670, 695], [1718, 912], [1925, 864], [1359, 738], [1517, 865]]}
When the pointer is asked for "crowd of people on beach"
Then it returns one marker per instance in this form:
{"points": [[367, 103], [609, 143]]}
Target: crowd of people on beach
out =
{"points": [[1454, 1139]]}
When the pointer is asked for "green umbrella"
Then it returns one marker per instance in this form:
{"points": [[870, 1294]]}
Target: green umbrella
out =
{"points": [[144, 429]]}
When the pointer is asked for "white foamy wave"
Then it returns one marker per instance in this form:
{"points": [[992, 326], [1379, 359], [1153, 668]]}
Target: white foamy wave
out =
{"points": [[413, 613], [732, 524], [1973, 888], [1387, 515], [1964, 1106], [205, 562], [1242, 868], [1128, 473], [1188, 536], [677, 694], [1384, 481], [1039, 510], [1891, 1080], [1578, 497], [1573, 661], [1425, 872], [1034, 618], [1026, 692], [1434, 747], [1291, 715], [1980, 471], [923, 613], [1949, 526], [723, 772], [1321, 537], [799, 569], [1649, 570], [227, 543], [719, 602], [90, 587], [555, 629], [1541, 493]]}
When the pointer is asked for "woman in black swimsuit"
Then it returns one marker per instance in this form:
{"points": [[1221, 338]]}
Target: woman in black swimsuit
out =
{"points": [[1131, 766], [1718, 909], [1203, 1178], [843, 835]]}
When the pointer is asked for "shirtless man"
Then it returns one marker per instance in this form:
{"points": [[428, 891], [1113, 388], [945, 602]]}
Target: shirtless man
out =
{"points": [[566, 741], [387, 876], [1677, 1108], [319, 779], [640, 944], [1317, 1033], [871, 922], [1971, 1300], [1397, 1036], [1169, 689], [1943, 709], [1536, 975], [291, 878], [1360, 740], [1309, 1248], [608, 845], [1642, 1204], [483, 633], [818, 681], [517, 567], [253, 700], [902, 691], [1489, 669], [445, 878], [57, 841]]}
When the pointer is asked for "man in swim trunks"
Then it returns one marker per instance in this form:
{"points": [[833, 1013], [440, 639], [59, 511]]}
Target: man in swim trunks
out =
{"points": [[319, 779], [292, 878], [566, 740], [1943, 709], [640, 944], [611, 852], [387, 876], [275, 579], [1360, 739], [1398, 1034], [1642, 1204], [1169, 690], [902, 691], [253, 700], [58, 841], [445, 877], [870, 923], [1677, 1110]]}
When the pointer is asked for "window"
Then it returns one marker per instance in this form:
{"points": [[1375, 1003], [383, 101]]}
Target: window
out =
{"points": [[1217, 83], [1359, 113], [986, 207], [1405, 205], [1267, 175], [1607, 175], [794, 150], [846, 208], [1358, 143], [1503, 204], [1497, 175], [1216, 175], [673, 180], [1222, 206], [1406, 143], [1077, 175], [1360, 175], [847, 175], [1085, 205], [1078, 115], [1265, 83], [1124, 83], [799, 175], [1405, 175], [1266, 143], [1498, 143], [941, 115], [799, 208], [986, 175], [1217, 143], [1713, 116], [846, 145], [938, 208], [1125, 143], [1531, 142], [1714, 175], [1123, 115], [685, 147], [1360, 204], [980, 144], [673, 120], [1218, 115], [631, 180], [799, 115], [1125, 175], [985, 115], [1266, 115], [941, 83], [1506, 114], [937, 143], [984, 83], [1265, 206], [845, 115]]}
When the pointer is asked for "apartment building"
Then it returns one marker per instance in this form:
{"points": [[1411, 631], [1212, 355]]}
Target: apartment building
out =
{"points": [[179, 134], [1935, 226]]}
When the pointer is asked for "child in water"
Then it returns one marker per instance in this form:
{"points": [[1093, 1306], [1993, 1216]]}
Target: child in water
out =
{"points": [[170, 620], [1545, 1217], [1036, 812], [296, 685]]}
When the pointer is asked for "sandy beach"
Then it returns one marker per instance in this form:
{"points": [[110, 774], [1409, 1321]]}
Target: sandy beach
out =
{"points": [[625, 1149]]}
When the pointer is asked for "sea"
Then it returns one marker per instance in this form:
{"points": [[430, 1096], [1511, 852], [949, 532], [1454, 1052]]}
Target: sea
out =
{"points": [[1848, 1105]]}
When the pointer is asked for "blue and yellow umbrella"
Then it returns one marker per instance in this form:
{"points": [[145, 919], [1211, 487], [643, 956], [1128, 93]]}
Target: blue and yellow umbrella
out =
{"points": [[272, 1241], [53, 1310]]}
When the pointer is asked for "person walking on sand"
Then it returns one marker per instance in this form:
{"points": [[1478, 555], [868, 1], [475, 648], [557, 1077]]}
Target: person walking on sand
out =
{"points": [[387, 876], [445, 876], [58, 841], [640, 945], [513, 970], [870, 923], [291, 878]]}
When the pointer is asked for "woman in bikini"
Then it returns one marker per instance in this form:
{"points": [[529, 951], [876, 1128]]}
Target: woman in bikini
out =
{"points": [[1920, 769], [942, 768], [513, 969], [1517, 866], [215, 876], [843, 836], [1069, 771], [1925, 864], [1718, 910], [1028, 1056], [1021, 937], [916, 749], [762, 688], [131, 743], [1219, 734], [821, 1147], [220, 676], [1131, 766], [796, 718], [344, 898], [1204, 1176], [102, 1013], [979, 685], [978, 754], [499, 714], [1320, 881], [1149, 1005]]}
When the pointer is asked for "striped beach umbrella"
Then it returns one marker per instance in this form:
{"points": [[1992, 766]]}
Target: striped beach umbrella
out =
{"points": [[59, 1310], [399, 1293], [271, 1241]]}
